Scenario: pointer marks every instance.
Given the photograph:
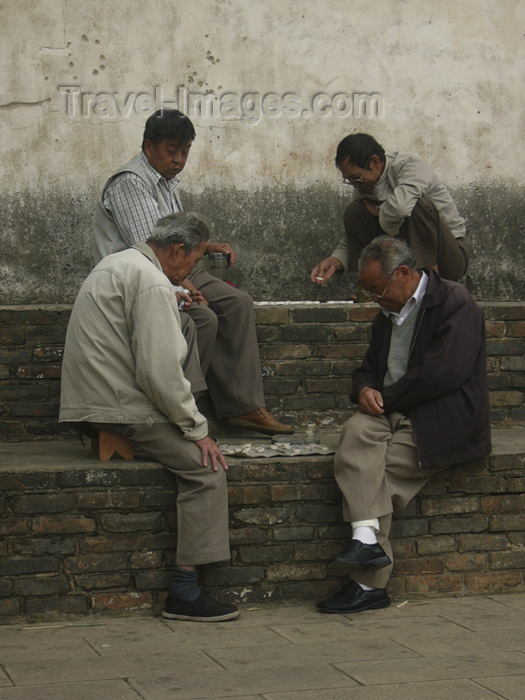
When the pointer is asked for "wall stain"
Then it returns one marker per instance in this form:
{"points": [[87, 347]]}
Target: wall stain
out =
{"points": [[279, 232]]}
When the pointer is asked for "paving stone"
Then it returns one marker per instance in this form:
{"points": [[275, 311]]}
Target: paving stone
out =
{"points": [[472, 665], [276, 651], [313, 652], [25, 646], [476, 642], [509, 687], [108, 668], [189, 636], [385, 628], [97, 690], [506, 619], [439, 690], [4, 680], [510, 600], [185, 686]]}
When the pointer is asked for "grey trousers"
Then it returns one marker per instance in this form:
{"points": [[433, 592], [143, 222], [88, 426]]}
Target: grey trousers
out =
{"points": [[424, 231], [202, 502], [228, 348], [376, 467]]}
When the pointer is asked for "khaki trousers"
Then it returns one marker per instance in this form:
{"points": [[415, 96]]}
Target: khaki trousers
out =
{"points": [[202, 502], [376, 467], [424, 231], [228, 347]]}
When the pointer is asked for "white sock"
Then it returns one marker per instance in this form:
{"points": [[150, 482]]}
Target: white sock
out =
{"points": [[365, 587], [366, 534]]}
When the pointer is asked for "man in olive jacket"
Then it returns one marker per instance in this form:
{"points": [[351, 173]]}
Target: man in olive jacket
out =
{"points": [[423, 406]]}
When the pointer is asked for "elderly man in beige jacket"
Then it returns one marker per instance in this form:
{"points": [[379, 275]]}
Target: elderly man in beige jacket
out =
{"points": [[124, 370]]}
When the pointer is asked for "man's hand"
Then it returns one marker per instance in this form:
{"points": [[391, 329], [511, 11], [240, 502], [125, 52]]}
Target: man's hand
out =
{"points": [[210, 451], [222, 248], [325, 269], [373, 207], [196, 296], [186, 298], [370, 401]]}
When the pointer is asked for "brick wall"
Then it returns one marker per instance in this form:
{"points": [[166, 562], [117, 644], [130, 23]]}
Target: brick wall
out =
{"points": [[90, 537], [308, 354]]}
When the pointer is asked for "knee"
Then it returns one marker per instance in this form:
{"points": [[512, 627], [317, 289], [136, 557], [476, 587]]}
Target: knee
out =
{"points": [[215, 481], [353, 435], [242, 302], [355, 207], [205, 319], [425, 207]]}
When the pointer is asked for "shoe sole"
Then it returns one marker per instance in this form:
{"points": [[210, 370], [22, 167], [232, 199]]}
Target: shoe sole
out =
{"points": [[378, 605], [196, 618], [236, 423]]}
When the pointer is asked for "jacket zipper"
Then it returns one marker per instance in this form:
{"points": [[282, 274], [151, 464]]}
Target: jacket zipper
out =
{"points": [[412, 344]]}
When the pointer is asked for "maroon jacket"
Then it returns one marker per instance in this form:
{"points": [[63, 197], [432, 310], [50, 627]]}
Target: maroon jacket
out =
{"points": [[444, 391]]}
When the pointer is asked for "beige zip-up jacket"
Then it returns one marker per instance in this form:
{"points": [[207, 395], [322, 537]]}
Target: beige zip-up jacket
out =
{"points": [[405, 179], [125, 348]]}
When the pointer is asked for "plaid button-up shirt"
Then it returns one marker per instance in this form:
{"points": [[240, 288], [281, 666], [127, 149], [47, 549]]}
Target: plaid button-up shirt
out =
{"points": [[134, 210]]}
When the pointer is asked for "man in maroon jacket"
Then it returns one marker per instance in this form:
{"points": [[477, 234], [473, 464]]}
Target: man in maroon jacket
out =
{"points": [[423, 406]]}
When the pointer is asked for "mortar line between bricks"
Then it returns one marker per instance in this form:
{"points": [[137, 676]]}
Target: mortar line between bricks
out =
{"points": [[4, 669], [92, 647], [348, 675], [403, 646], [484, 687], [502, 602], [137, 692], [283, 636], [453, 622], [208, 654]]}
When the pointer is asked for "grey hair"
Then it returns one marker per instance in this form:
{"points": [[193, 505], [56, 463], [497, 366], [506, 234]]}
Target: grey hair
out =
{"points": [[187, 228], [390, 252]]}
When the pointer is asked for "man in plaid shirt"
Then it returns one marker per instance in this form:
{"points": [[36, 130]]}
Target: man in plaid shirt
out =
{"points": [[133, 199]]}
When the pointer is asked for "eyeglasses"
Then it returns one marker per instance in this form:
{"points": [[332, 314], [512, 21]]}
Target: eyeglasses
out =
{"points": [[369, 296], [358, 178]]}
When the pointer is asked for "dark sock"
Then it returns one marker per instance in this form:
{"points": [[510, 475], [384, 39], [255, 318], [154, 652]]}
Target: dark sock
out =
{"points": [[184, 584]]}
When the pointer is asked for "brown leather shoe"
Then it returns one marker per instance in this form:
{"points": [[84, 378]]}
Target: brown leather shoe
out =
{"points": [[261, 421]]}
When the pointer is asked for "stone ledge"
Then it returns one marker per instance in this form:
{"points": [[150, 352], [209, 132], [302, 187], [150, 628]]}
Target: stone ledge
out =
{"points": [[308, 353], [83, 536]]}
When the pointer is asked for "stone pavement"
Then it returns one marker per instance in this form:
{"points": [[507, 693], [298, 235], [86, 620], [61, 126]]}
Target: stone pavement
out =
{"points": [[447, 649]]}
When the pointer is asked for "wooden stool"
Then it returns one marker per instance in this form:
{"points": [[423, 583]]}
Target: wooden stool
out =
{"points": [[104, 444]]}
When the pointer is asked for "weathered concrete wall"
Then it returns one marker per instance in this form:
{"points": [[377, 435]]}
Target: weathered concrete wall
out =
{"points": [[80, 78]]}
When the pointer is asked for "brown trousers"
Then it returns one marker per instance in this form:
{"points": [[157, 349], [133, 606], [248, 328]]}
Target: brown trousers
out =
{"points": [[202, 502], [228, 348], [376, 466], [424, 231]]}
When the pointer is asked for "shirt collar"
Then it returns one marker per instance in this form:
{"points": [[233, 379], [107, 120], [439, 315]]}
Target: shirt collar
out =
{"points": [[170, 184], [399, 317], [147, 250]]}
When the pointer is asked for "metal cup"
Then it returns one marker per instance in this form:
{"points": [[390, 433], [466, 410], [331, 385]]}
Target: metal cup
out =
{"points": [[218, 261]]}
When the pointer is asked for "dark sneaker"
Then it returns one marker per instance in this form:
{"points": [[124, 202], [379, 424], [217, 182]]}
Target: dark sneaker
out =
{"points": [[204, 609]]}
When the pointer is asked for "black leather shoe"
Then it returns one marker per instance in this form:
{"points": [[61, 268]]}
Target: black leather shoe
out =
{"points": [[204, 609], [359, 554], [352, 599]]}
